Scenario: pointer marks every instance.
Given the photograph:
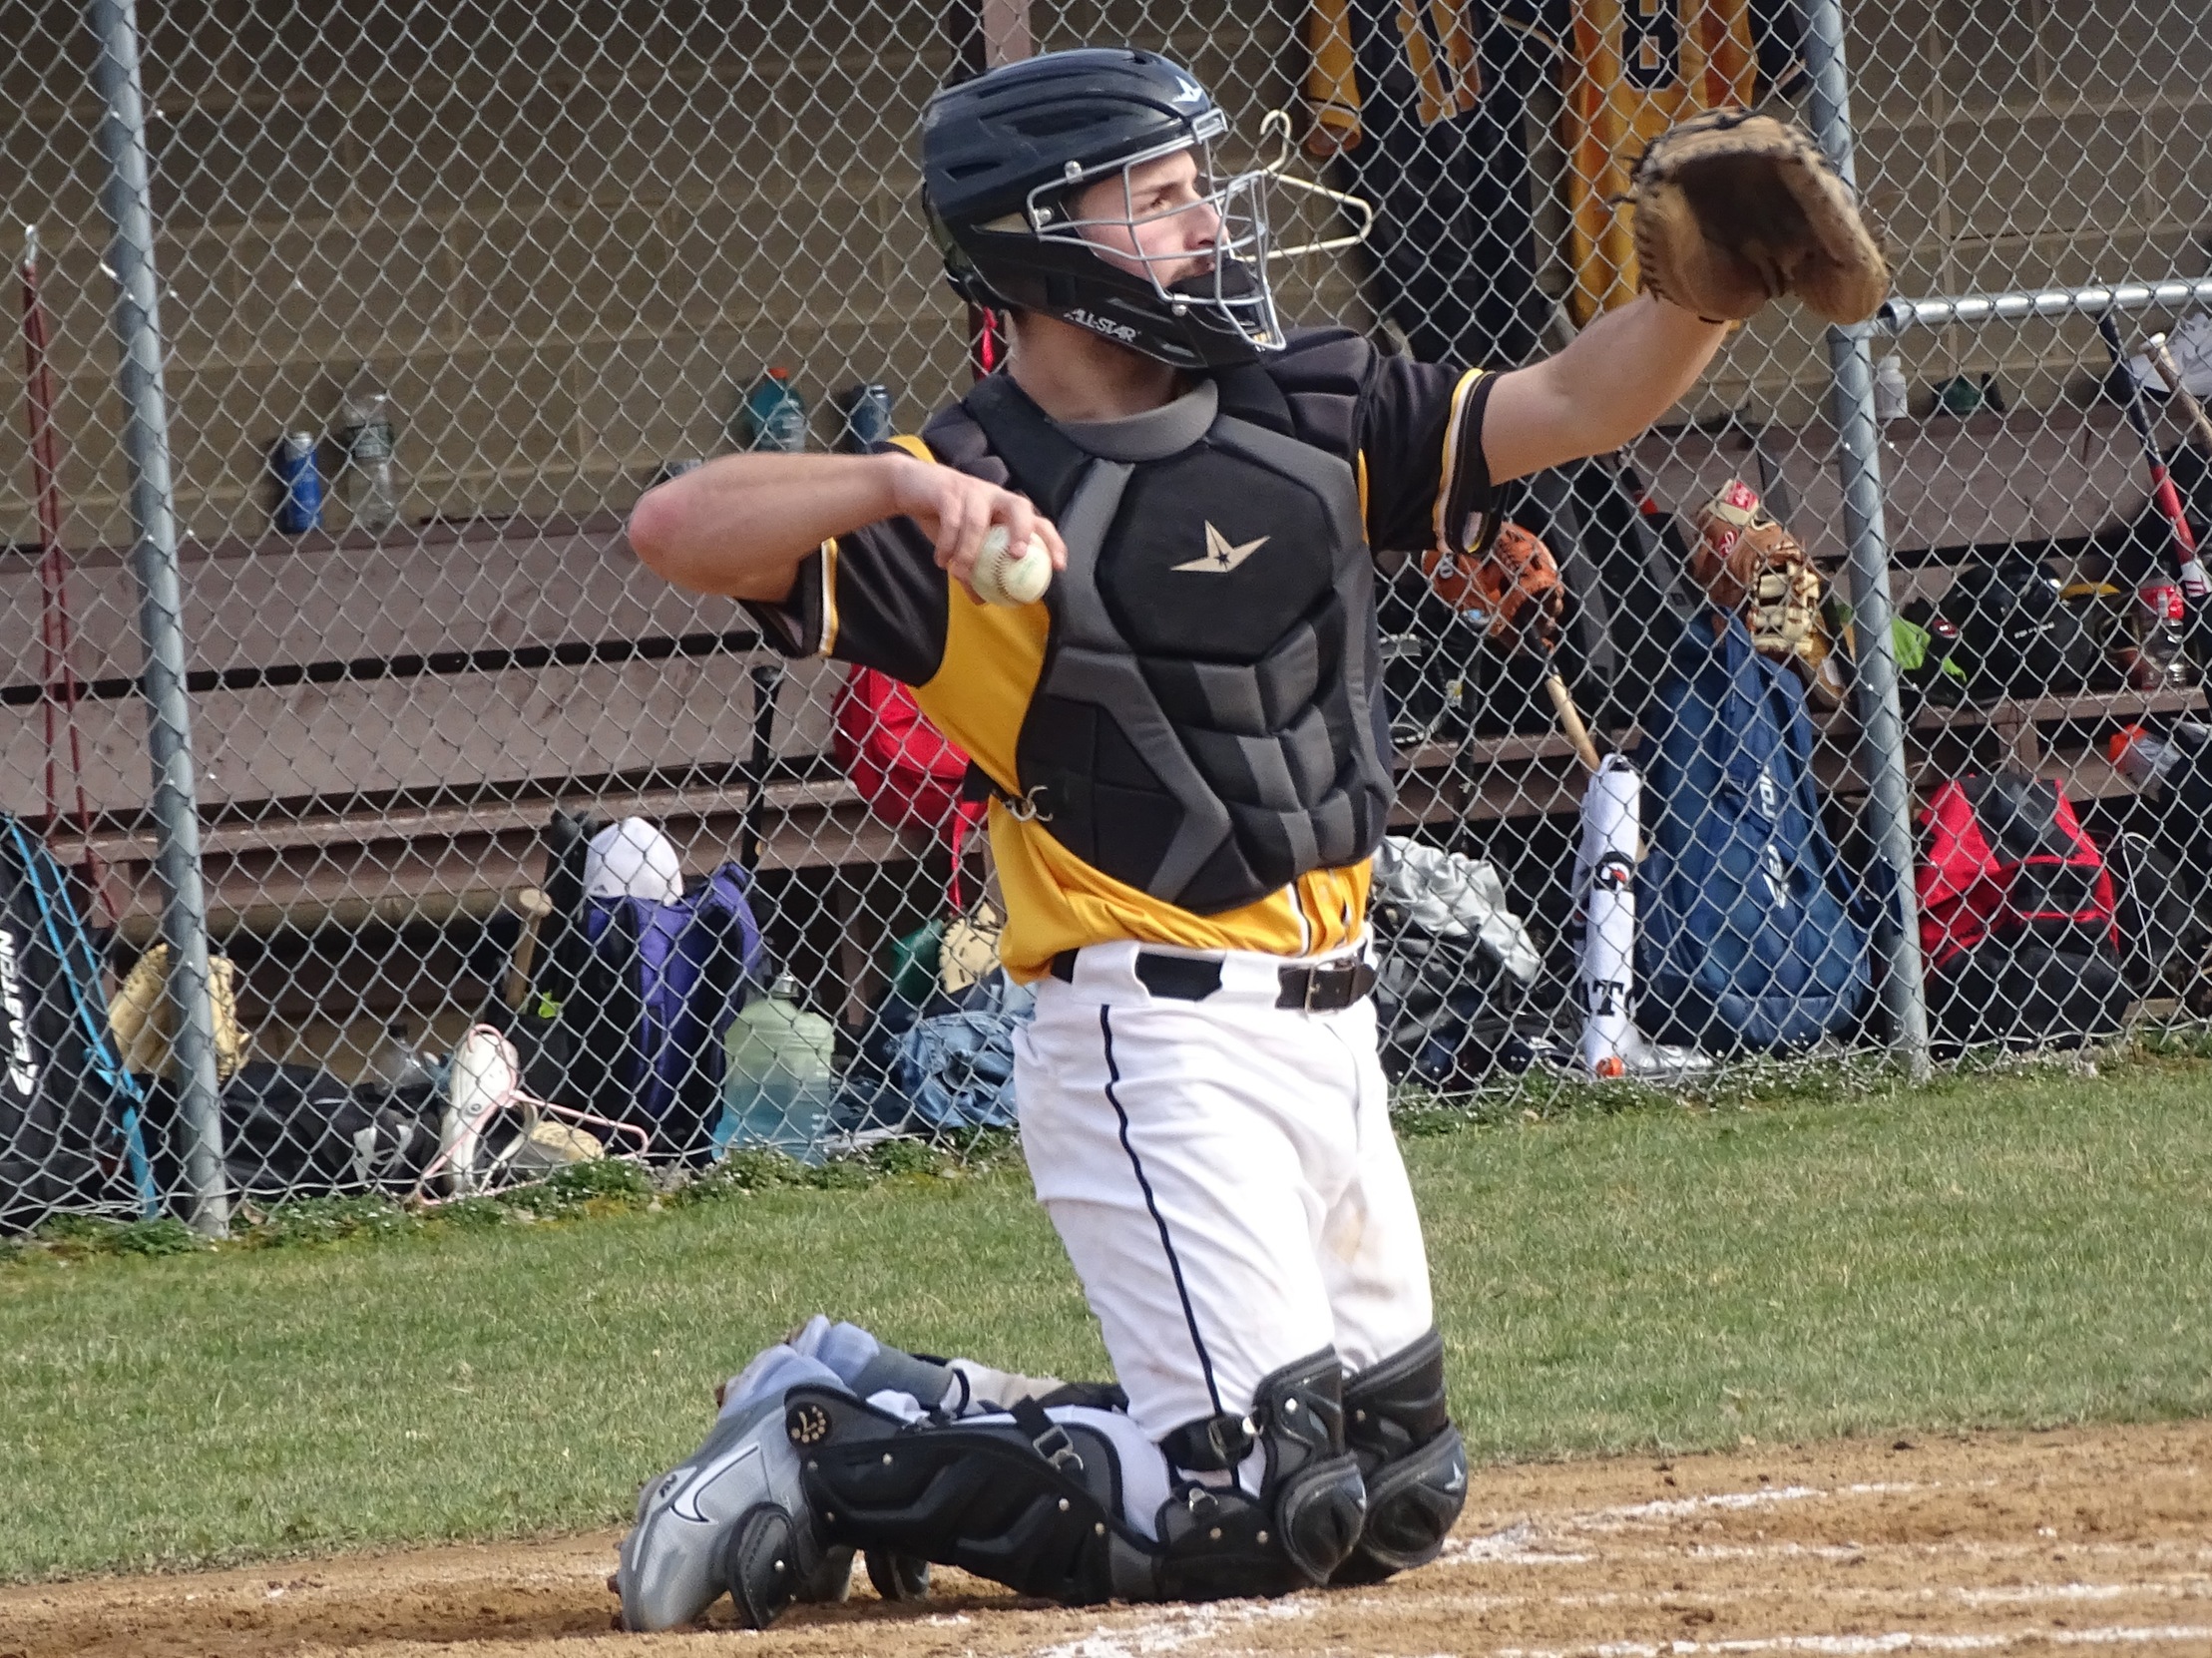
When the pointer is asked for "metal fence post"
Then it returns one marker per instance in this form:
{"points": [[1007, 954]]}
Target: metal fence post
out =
{"points": [[1881, 756], [128, 201]]}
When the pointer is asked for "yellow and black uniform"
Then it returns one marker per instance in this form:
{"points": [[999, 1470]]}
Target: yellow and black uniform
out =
{"points": [[1423, 102], [876, 598], [1638, 67]]}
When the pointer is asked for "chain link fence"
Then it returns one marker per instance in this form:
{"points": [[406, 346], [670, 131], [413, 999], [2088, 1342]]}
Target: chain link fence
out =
{"points": [[440, 290]]}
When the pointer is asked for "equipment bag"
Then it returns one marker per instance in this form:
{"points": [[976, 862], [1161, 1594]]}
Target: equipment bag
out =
{"points": [[1453, 966], [2018, 637], [910, 774], [292, 1131], [1627, 599], [2163, 939], [2017, 922], [654, 995], [70, 1115], [1748, 938]]}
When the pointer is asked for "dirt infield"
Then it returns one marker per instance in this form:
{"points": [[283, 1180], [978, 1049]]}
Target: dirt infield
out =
{"points": [[2016, 1544]]}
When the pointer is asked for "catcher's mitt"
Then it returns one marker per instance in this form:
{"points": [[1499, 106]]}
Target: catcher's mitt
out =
{"points": [[1748, 564], [1513, 582], [1734, 210]]}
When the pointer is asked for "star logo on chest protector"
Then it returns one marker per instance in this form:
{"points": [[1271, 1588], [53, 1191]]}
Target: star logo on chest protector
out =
{"points": [[1220, 555]]}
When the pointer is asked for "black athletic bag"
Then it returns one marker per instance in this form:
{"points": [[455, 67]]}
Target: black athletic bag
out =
{"points": [[2017, 637], [70, 1134], [292, 1131]]}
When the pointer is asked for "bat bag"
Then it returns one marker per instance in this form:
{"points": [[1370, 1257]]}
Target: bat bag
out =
{"points": [[71, 1133]]}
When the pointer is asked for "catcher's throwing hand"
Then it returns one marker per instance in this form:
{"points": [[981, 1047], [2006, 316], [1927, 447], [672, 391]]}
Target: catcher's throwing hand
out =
{"points": [[958, 511], [1733, 210]]}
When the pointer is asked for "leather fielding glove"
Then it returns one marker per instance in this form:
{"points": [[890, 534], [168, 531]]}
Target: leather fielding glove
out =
{"points": [[1733, 210]]}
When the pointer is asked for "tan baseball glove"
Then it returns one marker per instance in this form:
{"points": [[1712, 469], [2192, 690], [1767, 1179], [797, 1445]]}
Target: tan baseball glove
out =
{"points": [[1513, 582], [1733, 210], [1750, 565]]}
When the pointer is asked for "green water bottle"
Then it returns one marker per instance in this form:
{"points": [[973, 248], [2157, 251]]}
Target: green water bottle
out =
{"points": [[781, 1076], [774, 415]]}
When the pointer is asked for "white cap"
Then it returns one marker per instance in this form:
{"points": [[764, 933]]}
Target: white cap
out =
{"points": [[632, 859]]}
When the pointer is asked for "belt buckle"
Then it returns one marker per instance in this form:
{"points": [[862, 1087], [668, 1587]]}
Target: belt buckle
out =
{"points": [[1321, 981]]}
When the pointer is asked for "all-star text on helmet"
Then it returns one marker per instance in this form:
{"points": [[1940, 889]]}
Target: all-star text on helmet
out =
{"points": [[1005, 155]]}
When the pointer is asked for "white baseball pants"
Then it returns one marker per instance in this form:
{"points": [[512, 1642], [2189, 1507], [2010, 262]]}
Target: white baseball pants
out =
{"points": [[1223, 1176]]}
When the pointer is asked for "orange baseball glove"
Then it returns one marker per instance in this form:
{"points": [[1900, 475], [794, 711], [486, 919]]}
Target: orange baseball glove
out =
{"points": [[1513, 582]]}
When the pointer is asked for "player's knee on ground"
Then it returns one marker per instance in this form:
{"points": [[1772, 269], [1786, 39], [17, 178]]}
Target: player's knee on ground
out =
{"points": [[1411, 1458], [1074, 1504]]}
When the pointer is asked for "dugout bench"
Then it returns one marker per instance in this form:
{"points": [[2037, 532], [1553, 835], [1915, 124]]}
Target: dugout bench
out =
{"points": [[383, 724]]}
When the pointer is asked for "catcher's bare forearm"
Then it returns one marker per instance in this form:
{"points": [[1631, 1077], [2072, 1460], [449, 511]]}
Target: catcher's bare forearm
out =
{"points": [[1619, 375], [739, 526]]}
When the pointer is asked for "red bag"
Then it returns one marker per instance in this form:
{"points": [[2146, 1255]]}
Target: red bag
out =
{"points": [[906, 769], [2007, 858]]}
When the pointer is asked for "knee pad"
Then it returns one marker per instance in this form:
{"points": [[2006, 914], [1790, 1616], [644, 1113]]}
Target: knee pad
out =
{"points": [[1043, 1505], [1308, 1511], [1412, 1458]]}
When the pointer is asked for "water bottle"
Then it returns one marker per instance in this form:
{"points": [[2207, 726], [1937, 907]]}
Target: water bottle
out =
{"points": [[2161, 656], [365, 434], [864, 418], [781, 1076], [1892, 398], [774, 415], [298, 485]]}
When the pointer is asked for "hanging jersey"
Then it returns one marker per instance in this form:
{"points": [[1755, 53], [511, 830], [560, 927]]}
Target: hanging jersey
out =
{"points": [[1437, 41], [1423, 106], [876, 597], [1637, 67]]}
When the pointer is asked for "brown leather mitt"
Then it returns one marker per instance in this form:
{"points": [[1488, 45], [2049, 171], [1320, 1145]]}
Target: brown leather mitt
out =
{"points": [[1733, 210], [1515, 581], [1750, 565]]}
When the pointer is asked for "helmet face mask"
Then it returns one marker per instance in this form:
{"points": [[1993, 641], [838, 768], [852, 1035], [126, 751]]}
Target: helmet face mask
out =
{"points": [[1008, 158], [1220, 286]]}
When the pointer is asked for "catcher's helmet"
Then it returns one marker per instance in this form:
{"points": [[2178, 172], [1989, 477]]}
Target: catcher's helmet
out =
{"points": [[1004, 153]]}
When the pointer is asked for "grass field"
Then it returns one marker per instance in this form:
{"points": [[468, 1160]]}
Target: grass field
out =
{"points": [[2025, 1250]]}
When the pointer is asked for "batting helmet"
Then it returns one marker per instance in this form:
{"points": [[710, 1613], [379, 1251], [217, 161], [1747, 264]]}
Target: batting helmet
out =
{"points": [[1004, 153]]}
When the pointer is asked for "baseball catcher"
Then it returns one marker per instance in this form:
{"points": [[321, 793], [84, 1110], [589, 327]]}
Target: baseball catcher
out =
{"points": [[1187, 762]]}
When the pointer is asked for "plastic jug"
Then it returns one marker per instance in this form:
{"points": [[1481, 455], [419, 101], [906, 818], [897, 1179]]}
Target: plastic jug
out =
{"points": [[780, 1078]]}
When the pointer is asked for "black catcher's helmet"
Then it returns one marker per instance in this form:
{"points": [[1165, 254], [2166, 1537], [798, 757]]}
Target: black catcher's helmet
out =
{"points": [[1004, 153]]}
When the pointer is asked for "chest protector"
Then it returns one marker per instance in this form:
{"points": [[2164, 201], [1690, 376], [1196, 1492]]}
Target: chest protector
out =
{"points": [[1208, 724]]}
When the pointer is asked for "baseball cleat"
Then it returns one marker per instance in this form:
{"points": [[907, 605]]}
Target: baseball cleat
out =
{"points": [[733, 1517]]}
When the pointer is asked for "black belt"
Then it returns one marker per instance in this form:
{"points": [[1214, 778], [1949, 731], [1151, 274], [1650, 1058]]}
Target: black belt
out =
{"points": [[1315, 989]]}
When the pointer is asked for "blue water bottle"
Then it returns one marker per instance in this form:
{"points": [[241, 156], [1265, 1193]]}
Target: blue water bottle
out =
{"points": [[298, 485], [774, 414], [864, 424]]}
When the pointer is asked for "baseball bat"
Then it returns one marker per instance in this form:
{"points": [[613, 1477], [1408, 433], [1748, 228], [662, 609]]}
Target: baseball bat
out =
{"points": [[62, 690], [2190, 572], [2170, 372], [1571, 717]]}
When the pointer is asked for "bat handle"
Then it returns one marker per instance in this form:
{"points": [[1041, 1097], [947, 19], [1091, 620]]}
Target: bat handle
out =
{"points": [[2170, 372], [1570, 718]]}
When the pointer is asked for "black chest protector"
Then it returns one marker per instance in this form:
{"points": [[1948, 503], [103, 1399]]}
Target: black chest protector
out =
{"points": [[1207, 725]]}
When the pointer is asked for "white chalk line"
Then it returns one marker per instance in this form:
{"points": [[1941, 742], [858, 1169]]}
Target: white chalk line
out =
{"points": [[1517, 1543], [1172, 1628], [1863, 1646]]}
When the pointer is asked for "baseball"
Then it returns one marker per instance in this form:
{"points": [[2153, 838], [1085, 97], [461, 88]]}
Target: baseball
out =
{"points": [[1001, 577]]}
